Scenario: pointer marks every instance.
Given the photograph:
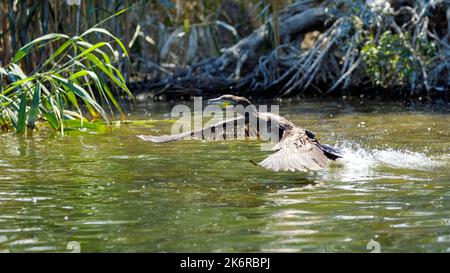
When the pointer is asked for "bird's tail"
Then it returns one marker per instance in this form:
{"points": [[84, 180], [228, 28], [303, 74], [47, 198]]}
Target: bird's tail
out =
{"points": [[330, 152]]}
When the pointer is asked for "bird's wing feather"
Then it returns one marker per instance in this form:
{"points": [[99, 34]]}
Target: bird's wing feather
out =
{"points": [[296, 152], [225, 129]]}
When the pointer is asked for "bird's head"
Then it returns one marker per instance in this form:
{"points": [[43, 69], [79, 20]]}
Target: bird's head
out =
{"points": [[230, 100]]}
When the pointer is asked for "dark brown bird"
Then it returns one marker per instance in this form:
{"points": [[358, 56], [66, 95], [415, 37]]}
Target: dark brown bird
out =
{"points": [[297, 150]]}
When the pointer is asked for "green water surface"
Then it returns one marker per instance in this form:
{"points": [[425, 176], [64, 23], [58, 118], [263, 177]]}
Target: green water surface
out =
{"points": [[112, 192]]}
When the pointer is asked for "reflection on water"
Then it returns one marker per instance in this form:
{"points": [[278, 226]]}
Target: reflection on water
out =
{"points": [[113, 192]]}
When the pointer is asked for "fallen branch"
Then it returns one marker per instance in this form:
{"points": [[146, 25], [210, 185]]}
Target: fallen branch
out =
{"points": [[336, 61]]}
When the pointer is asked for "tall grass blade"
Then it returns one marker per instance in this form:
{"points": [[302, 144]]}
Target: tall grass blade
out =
{"points": [[22, 116], [26, 49], [34, 109]]}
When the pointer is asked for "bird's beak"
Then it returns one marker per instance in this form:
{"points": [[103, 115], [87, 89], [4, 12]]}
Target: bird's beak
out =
{"points": [[218, 101]]}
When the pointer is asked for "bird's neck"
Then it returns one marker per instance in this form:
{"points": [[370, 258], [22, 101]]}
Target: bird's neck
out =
{"points": [[249, 110]]}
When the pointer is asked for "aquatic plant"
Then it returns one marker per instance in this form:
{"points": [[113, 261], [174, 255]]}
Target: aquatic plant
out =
{"points": [[75, 78]]}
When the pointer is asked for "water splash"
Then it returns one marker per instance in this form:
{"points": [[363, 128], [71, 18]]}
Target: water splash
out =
{"points": [[357, 157], [360, 164]]}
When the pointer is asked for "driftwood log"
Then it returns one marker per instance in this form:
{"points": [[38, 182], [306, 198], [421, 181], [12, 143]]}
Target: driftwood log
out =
{"points": [[335, 62]]}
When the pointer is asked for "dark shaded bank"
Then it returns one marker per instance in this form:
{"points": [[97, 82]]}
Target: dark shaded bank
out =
{"points": [[436, 102], [145, 91], [376, 49]]}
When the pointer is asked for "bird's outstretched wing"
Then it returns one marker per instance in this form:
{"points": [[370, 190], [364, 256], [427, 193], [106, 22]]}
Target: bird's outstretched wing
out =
{"points": [[296, 151], [233, 128]]}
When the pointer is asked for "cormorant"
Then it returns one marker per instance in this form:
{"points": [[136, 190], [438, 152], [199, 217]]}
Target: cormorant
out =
{"points": [[297, 150]]}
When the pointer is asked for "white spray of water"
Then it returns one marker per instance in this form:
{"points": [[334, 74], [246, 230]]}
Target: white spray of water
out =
{"points": [[359, 164], [362, 158]]}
